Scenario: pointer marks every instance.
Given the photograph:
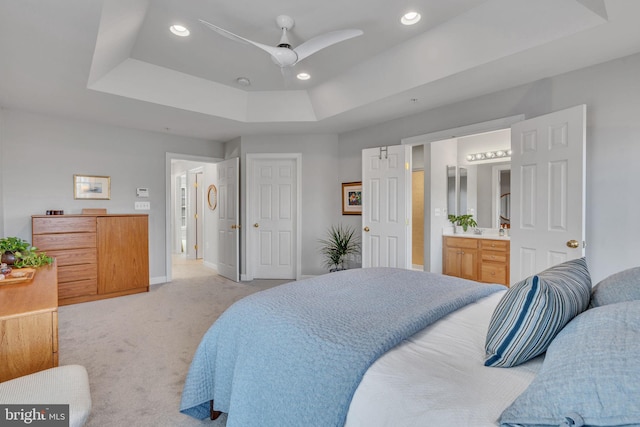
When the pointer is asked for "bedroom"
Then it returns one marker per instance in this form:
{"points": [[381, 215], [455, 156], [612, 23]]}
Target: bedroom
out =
{"points": [[110, 144]]}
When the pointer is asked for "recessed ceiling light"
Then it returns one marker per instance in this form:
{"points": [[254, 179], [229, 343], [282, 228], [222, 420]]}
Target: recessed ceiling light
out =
{"points": [[410, 18], [179, 30], [303, 76]]}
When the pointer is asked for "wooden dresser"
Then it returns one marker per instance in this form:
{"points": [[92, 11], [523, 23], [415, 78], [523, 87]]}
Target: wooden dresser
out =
{"points": [[98, 256], [29, 325], [481, 259]]}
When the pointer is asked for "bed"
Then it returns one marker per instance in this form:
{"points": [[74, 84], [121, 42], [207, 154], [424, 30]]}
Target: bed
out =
{"points": [[391, 347]]}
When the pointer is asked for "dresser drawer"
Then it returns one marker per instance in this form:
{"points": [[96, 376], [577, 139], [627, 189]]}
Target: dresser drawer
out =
{"points": [[494, 273], [494, 245], [74, 256], [77, 288], [61, 224], [72, 273], [493, 256], [461, 242], [50, 242]]}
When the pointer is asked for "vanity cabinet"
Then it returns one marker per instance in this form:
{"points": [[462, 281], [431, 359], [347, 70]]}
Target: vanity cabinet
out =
{"points": [[98, 256], [494, 261], [484, 260], [460, 257]]}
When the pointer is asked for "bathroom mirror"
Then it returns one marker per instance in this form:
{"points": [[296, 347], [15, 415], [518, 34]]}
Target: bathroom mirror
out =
{"points": [[457, 190], [462, 191], [505, 209], [451, 190]]}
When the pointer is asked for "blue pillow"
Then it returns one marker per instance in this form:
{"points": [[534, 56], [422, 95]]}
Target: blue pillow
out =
{"points": [[589, 375], [619, 287], [533, 311]]}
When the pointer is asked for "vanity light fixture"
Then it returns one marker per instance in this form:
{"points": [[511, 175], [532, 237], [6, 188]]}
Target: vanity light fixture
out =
{"points": [[410, 18], [179, 30], [489, 155], [303, 76]]}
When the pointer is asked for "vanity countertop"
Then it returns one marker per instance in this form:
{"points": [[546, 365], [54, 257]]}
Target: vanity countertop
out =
{"points": [[477, 236]]}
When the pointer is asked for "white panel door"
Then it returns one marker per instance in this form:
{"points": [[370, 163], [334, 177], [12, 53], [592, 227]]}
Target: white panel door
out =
{"points": [[199, 215], [273, 214], [386, 213], [228, 219], [548, 191]]}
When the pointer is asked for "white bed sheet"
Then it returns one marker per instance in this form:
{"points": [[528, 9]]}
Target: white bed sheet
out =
{"points": [[438, 378]]}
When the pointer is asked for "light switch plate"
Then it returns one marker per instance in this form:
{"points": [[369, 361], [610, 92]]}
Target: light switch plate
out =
{"points": [[142, 206]]}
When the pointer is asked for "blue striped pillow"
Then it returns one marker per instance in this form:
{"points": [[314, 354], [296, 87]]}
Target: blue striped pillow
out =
{"points": [[534, 310]]}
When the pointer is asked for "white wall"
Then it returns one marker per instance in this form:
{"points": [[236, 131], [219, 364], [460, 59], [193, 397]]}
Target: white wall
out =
{"points": [[611, 92], [40, 155], [438, 155]]}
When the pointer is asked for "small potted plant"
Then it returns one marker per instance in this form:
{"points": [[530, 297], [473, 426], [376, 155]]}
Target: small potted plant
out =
{"points": [[19, 253], [340, 242], [464, 221], [11, 248]]}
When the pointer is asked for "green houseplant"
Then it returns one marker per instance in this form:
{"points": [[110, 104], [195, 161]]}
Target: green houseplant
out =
{"points": [[19, 253], [464, 221], [339, 243]]}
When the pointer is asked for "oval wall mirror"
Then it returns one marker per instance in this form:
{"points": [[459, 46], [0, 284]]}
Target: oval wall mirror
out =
{"points": [[505, 208]]}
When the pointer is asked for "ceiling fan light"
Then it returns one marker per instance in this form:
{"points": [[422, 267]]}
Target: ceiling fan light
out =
{"points": [[410, 18], [179, 30], [303, 76]]}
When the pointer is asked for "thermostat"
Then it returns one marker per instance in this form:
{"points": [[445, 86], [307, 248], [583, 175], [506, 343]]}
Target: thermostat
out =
{"points": [[142, 192]]}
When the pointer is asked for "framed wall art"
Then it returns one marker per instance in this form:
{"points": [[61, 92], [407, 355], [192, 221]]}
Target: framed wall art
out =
{"points": [[91, 187], [352, 198]]}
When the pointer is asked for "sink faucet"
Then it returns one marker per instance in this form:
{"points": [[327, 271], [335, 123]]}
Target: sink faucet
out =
{"points": [[477, 231]]}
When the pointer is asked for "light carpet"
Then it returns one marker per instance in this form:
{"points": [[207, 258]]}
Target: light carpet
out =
{"points": [[137, 348]]}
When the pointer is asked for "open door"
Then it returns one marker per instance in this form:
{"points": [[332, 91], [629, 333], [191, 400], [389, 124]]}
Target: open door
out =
{"points": [[229, 219], [386, 208], [548, 191]]}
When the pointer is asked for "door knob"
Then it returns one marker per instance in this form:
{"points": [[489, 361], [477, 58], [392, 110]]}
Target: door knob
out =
{"points": [[233, 226], [573, 244], [256, 225], [366, 229]]}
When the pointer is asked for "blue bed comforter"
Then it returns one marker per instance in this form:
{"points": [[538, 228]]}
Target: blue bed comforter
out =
{"points": [[294, 355]]}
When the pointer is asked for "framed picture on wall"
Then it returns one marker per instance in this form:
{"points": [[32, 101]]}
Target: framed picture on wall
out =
{"points": [[352, 198], [91, 187]]}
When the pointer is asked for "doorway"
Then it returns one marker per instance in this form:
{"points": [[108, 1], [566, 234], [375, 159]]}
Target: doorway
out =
{"points": [[191, 228], [435, 156]]}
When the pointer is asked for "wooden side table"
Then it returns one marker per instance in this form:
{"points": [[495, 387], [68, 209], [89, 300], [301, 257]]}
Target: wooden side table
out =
{"points": [[29, 325]]}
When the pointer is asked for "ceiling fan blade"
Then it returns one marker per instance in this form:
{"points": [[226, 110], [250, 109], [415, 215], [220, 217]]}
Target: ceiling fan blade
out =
{"points": [[324, 40], [273, 51]]}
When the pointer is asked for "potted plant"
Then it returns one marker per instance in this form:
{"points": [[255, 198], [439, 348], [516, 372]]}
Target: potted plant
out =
{"points": [[19, 253], [340, 242], [464, 221]]}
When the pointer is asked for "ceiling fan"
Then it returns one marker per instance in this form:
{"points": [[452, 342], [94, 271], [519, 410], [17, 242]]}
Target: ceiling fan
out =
{"points": [[283, 54]]}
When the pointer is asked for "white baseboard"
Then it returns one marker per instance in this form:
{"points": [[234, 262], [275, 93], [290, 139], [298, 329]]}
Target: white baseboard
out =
{"points": [[157, 280], [210, 265]]}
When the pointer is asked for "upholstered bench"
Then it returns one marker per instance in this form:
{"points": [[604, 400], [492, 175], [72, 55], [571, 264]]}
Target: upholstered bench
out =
{"points": [[62, 385]]}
